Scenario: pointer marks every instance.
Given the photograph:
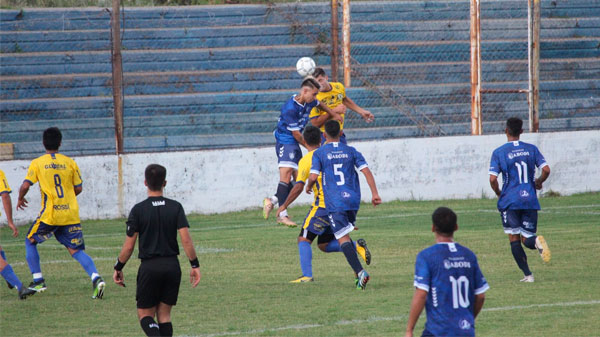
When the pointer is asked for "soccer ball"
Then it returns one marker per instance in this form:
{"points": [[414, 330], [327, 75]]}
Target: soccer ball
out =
{"points": [[305, 66]]}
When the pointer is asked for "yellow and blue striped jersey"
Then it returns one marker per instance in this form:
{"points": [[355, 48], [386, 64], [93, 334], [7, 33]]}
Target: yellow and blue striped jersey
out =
{"points": [[4, 188], [58, 176], [332, 99], [303, 174]]}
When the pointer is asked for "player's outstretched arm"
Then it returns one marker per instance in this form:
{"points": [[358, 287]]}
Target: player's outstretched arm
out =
{"points": [[416, 307], [331, 113], [21, 201], [540, 180], [7, 203], [122, 259], [479, 299], [294, 193], [365, 114], [375, 198], [190, 251], [494, 184]]}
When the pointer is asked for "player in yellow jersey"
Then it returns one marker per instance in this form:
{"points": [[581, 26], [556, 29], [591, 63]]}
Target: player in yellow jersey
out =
{"points": [[317, 221], [333, 94], [60, 182], [6, 269]]}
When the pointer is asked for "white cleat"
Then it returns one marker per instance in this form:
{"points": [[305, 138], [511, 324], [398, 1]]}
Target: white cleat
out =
{"points": [[528, 279], [542, 247]]}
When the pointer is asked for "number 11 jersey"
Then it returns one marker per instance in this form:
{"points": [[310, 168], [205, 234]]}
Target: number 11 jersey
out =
{"points": [[450, 275], [517, 162]]}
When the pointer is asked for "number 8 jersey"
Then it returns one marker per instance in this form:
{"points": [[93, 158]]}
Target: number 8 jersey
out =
{"points": [[58, 176], [339, 164], [517, 162], [450, 275]]}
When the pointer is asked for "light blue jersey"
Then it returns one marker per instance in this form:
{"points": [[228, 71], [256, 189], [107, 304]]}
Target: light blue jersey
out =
{"points": [[293, 117], [517, 162], [450, 275], [339, 164]]}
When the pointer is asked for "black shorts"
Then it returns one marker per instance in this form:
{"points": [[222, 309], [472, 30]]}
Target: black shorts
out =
{"points": [[323, 238], [158, 281]]}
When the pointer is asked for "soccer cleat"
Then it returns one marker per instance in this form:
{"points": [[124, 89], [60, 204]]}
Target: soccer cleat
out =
{"points": [[25, 292], [38, 287], [363, 251], [285, 220], [542, 247], [98, 288], [302, 279], [267, 207], [528, 279], [363, 278]]}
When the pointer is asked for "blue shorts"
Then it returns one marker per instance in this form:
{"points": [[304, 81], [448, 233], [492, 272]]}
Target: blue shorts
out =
{"points": [[70, 236], [342, 223], [520, 221], [288, 155]]}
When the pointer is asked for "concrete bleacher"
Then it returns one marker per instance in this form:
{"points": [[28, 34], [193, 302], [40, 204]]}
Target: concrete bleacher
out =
{"points": [[216, 76]]}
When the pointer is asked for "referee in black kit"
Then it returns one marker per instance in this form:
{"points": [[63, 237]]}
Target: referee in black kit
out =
{"points": [[157, 220]]}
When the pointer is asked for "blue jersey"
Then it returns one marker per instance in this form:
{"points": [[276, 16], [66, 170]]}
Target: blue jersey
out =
{"points": [[293, 117], [450, 275], [339, 163], [517, 162]]}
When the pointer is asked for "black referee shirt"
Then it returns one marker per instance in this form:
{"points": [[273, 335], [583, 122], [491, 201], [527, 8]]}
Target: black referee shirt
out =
{"points": [[157, 220]]}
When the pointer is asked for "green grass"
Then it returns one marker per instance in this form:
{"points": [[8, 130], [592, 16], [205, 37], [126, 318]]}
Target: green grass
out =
{"points": [[247, 262]]}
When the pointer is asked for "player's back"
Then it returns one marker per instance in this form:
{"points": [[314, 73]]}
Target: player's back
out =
{"points": [[58, 175], [517, 162], [451, 275], [339, 163]]}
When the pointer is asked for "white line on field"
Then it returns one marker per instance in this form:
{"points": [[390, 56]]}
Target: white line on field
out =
{"points": [[390, 318]]}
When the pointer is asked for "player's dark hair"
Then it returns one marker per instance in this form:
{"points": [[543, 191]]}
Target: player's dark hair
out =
{"points": [[312, 135], [319, 72], [332, 128], [155, 176], [444, 221], [52, 138], [514, 126], [311, 83]]}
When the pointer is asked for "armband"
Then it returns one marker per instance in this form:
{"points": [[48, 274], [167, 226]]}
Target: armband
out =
{"points": [[119, 265], [194, 263]]}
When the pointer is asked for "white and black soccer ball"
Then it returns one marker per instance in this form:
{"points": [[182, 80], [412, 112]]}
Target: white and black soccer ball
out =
{"points": [[305, 66]]}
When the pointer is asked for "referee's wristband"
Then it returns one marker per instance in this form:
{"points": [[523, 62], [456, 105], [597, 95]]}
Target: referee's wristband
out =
{"points": [[194, 263], [119, 265]]}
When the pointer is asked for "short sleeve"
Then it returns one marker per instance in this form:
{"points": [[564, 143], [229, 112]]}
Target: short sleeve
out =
{"points": [[132, 222], [181, 218], [303, 170], [32, 173], [481, 284], [359, 161], [540, 161], [4, 187], [316, 164], [315, 112], [494, 164], [76, 175], [422, 275]]}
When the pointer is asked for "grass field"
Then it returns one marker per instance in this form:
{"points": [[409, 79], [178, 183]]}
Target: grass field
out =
{"points": [[247, 262]]}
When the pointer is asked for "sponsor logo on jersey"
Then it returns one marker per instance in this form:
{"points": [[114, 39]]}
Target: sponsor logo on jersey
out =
{"points": [[464, 324], [518, 154], [61, 207], [331, 156], [524, 193], [456, 264], [158, 203], [55, 166]]}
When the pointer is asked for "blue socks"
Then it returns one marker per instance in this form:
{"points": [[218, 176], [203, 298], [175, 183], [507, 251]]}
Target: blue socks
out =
{"points": [[530, 242], [305, 252], [334, 246], [87, 263], [9, 275], [350, 253], [3, 255], [33, 260], [520, 257]]}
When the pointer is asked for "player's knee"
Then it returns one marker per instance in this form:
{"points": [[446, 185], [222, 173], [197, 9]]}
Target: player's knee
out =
{"points": [[30, 241], [303, 239]]}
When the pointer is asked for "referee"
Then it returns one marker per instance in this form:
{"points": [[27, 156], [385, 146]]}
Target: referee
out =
{"points": [[157, 220]]}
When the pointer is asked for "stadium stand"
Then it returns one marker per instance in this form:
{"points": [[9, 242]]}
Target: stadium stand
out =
{"points": [[215, 77]]}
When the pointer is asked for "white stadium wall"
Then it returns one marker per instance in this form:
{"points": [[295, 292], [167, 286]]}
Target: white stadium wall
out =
{"points": [[218, 181]]}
